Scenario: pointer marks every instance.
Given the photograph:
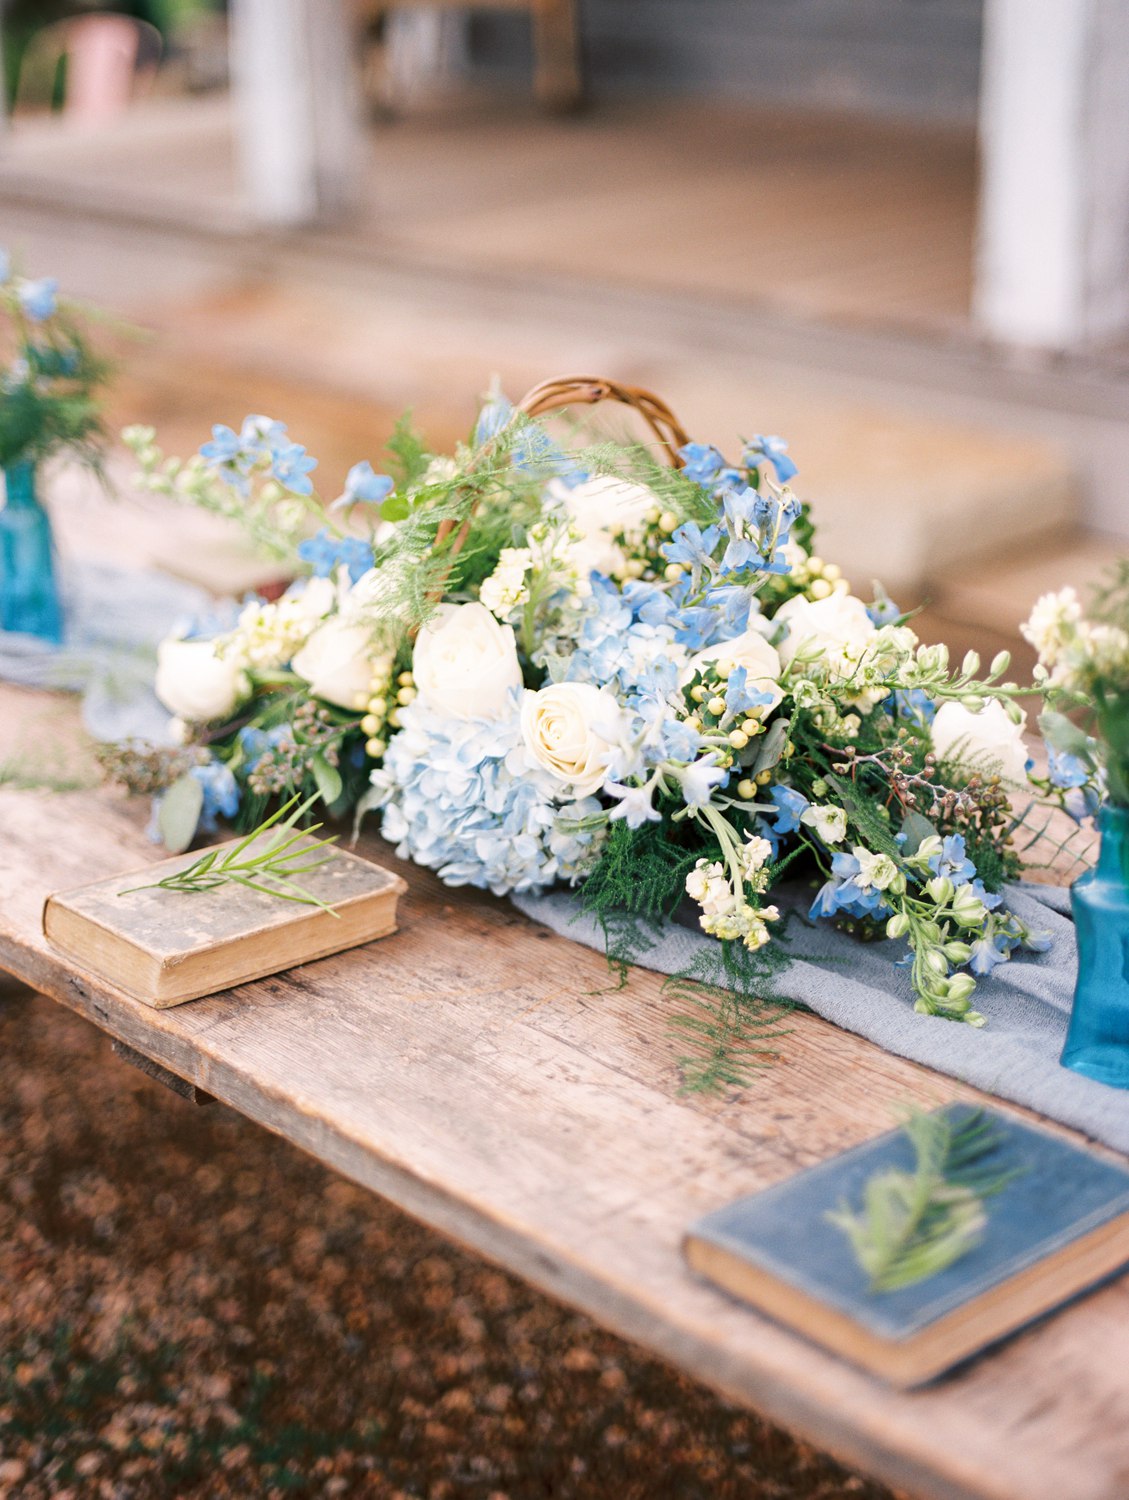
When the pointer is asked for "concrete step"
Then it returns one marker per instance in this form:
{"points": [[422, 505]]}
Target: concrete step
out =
{"points": [[983, 606], [897, 497]]}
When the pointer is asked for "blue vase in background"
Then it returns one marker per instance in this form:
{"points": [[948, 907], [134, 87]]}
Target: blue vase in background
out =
{"points": [[1097, 1043], [29, 598]]}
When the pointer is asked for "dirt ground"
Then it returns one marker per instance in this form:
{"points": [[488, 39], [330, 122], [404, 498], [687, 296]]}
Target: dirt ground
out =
{"points": [[191, 1308]]}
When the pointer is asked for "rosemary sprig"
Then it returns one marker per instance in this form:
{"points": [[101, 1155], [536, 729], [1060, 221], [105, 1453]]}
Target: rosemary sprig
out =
{"points": [[913, 1224], [270, 868]]}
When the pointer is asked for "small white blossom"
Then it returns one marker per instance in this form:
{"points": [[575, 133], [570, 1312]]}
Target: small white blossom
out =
{"points": [[829, 822]]}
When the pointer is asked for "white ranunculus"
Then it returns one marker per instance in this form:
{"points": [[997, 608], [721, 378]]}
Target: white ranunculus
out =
{"points": [[465, 663], [838, 626], [987, 741], [337, 661], [601, 509], [751, 651], [569, 729], [195, 684]]}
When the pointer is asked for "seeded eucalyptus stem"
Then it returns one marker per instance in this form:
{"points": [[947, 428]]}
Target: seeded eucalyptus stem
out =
{"points": [[284, 854]]}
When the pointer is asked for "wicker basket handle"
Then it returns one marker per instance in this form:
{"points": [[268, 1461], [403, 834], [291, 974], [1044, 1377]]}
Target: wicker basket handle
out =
{"points": [[587, 390]]}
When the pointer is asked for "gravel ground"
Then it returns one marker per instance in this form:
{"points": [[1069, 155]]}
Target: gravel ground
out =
{"points": [[190, 1308]]}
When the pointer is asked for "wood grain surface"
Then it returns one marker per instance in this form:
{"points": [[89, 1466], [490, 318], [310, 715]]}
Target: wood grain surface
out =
{"points": [[481, 1073]]}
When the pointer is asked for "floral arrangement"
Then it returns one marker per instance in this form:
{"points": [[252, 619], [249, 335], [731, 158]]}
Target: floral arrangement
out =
{"points": [[49, 376], [541, 664], [1084, 668]]}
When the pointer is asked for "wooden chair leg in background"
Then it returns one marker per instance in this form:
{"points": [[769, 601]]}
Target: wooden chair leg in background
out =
{"points": [[556, 53]]}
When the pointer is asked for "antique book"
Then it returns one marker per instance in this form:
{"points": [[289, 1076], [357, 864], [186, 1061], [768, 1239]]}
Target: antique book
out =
{"points": [[163, 947], [1059, 1225]]}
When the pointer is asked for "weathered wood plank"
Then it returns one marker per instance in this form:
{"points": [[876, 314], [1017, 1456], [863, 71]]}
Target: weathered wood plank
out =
{"points": [[480, 1072]]}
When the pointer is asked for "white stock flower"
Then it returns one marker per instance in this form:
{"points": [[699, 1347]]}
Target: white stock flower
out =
{"points": [[751, 651], [837, 628], [570, 730], [755, 854], [601, 509], [987, 741], [708, 885], [506, 588], [1049, 623], [196, 684], [465, 663], [829, 822], [338, 661]]}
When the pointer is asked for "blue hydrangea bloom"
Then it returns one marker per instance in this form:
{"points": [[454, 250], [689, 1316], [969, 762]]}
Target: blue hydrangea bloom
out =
{"points": [[739, 697], [325, 553], [38, 299], [461, 796], [221, 794]]}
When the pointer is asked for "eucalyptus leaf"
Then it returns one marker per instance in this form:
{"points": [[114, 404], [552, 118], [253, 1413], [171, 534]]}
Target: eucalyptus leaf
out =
{"points": [[771, 746], [328, 779], [917, 828], [1064, 736], [179, 813]]}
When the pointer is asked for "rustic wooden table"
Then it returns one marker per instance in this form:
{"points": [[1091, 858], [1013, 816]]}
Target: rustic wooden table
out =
{"points": [[478, 1071]]}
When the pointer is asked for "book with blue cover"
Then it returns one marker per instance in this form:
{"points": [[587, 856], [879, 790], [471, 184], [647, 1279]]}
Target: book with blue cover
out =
{"points": [[1058, 1226]]}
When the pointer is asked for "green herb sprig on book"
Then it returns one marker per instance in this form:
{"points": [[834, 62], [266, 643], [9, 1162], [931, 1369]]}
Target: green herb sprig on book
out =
{"points": [[914, 1224], [272, 867]]}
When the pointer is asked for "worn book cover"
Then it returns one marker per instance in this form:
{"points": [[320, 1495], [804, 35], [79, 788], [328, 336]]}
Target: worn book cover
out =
{"points": [[164, 947], [1059, 1225]]}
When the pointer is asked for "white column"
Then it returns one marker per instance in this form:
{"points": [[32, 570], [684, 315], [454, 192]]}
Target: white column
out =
{"points": [[299, 134], [1052, 263]]}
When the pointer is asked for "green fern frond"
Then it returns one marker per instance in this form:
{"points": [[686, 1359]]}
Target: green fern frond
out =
{"points": [[914, 1224]]}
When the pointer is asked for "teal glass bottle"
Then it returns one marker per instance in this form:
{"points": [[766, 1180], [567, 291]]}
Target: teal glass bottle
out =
{"points": [[1097, 1043], [29, 596]]}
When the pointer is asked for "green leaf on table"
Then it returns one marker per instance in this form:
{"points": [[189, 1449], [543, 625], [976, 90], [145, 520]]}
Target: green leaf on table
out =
{"points": [[328, 779], [179, 814]]}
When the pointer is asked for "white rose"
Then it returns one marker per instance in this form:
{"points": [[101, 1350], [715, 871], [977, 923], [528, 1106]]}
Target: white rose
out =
{"points": [[751, 651], [465, 662], [315, 600], [570, 729], [196, 684], [984, 741], [838, 625], [337, 661], [601, 509]]}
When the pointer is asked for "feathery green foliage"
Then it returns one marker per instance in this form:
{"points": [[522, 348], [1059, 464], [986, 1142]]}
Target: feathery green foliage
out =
{"points": [[271, 868], [913, 1224]]}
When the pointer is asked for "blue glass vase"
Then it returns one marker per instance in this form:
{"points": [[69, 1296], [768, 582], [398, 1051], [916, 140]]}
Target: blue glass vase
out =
{"points": [[29, 597], [1097, 1043]]}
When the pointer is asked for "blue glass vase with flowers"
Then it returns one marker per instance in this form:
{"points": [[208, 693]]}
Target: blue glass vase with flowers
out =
{"points": [[1084, 672], [49, 379]]}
